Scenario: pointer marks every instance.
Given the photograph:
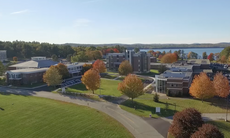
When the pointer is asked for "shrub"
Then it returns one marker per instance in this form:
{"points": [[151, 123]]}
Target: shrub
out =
{"points": [[168, 93], [185, 123], [208, 131], [156, 97]]}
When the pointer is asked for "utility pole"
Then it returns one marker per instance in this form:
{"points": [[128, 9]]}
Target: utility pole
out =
{"points": [[226, 119]]}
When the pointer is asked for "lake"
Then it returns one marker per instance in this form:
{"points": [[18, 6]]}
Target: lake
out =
{"points": [[199, 51]]}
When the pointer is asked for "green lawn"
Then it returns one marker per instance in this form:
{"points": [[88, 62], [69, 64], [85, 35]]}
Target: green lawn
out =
{"points": [[108, 76], [145, 106], [33, 117], [108, 87], [112, 72], [223, 126], [152, 73]]}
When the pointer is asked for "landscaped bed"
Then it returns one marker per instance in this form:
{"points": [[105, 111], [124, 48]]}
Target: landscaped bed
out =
{"points": [[31, 117], [108, 87], [146, 106]]}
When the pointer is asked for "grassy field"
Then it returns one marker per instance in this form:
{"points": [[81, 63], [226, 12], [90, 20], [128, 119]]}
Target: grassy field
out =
{"points": [[112, 72], [152, 73], [145, 106], [32, 117], [223, 126], [108, 87], [108, 76]]}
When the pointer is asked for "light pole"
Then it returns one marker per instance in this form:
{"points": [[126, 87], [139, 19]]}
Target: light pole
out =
{"points": [[226, 119]]}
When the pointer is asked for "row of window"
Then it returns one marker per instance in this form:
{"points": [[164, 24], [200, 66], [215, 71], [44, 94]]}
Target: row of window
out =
{"points": [[75, 68]]}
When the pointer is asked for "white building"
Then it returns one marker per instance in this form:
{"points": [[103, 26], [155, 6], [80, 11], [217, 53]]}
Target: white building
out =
{"points": [[3, 56], [75, 68], [38, 58]]}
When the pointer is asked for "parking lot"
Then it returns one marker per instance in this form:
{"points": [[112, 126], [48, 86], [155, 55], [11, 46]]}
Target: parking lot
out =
{"points": [[71, 82]]}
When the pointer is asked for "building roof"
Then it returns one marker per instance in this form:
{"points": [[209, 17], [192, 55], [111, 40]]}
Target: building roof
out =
{"points": [[198, 61], [35, 64], [27, 71], [171, 74]]}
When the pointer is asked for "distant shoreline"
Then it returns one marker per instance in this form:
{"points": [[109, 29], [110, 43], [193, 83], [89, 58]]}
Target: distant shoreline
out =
{"points": [[181, 47]]}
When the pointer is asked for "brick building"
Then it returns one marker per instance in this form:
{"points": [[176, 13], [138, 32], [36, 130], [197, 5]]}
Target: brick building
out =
{"points": [[140, 61], [25, 76]]}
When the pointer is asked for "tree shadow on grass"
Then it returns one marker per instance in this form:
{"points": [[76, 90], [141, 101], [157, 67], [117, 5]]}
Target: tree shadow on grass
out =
{"points": [[140, 107], [80, 86]]}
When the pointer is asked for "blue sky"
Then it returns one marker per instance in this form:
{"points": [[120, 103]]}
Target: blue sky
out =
{"points": [[115, 21]]}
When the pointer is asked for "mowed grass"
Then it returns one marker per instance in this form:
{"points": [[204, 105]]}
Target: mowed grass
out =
{"points": [[223, 126], [152, 73], [33, 117], [146, 106], [108, 87]]}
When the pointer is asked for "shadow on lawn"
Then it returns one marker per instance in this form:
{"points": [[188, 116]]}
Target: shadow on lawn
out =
{"points": [[140, 107]]}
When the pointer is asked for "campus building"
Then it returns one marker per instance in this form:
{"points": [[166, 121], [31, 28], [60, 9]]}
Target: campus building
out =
{"points": [[178, 78], [3, 56], [75, 69], [140, 61], [25, 76], [35, 63]]}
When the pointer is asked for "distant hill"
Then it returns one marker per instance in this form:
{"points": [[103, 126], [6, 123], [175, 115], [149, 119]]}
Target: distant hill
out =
{"points": [[159, 46]]}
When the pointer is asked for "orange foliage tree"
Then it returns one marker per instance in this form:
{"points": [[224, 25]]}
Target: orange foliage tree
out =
{"points": [[169, 58], [202, 87], [91, 79], [131, 86], [221, 85], [99, 65], [208, 131], [15, 59], [125, 68], [210, 57], [223, 59]]}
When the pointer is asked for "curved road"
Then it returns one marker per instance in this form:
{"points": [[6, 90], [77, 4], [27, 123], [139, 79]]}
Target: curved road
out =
{"points": [[136, 125]]}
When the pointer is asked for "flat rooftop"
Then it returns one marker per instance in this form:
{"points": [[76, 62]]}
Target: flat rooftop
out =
{"points": [[27, 71], [198, 61], [171, 74]]}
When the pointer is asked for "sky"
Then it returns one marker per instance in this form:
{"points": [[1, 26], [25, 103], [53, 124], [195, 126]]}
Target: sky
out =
{"points": [[115, 21]]}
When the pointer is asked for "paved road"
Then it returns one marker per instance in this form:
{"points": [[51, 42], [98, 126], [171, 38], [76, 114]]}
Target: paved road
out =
{"points": [[136, 125]]}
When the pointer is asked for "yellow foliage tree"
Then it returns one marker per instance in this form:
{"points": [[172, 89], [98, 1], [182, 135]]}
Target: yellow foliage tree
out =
{"points": [[131, 86], [221, 85], [202, 87], [125, 68], [91, 79], [52, 77]]}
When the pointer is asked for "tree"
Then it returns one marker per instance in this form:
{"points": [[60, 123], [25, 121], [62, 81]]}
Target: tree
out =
{"points": [[2, 69], [204, 55], [202, 87], [54, 57], [185, 123], [15, 59], [97, 54], [131, 86], [169, 58], [99, 65], [52, 77], [192, 55], [162, 68], [125, 68], [136, 49], [225, 52], [210, 57], [91, 79], [221, 85], [86, 67], [208, 131], [223, 59], [63, 71], [80, 57], [156, 97], [68, 58]]}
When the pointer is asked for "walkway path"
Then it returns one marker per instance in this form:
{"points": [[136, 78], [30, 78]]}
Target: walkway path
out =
{"points": [[136, 125]]}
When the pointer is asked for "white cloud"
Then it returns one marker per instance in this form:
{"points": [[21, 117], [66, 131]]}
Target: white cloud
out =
{"points": [[20, 12], [81, 22]]}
